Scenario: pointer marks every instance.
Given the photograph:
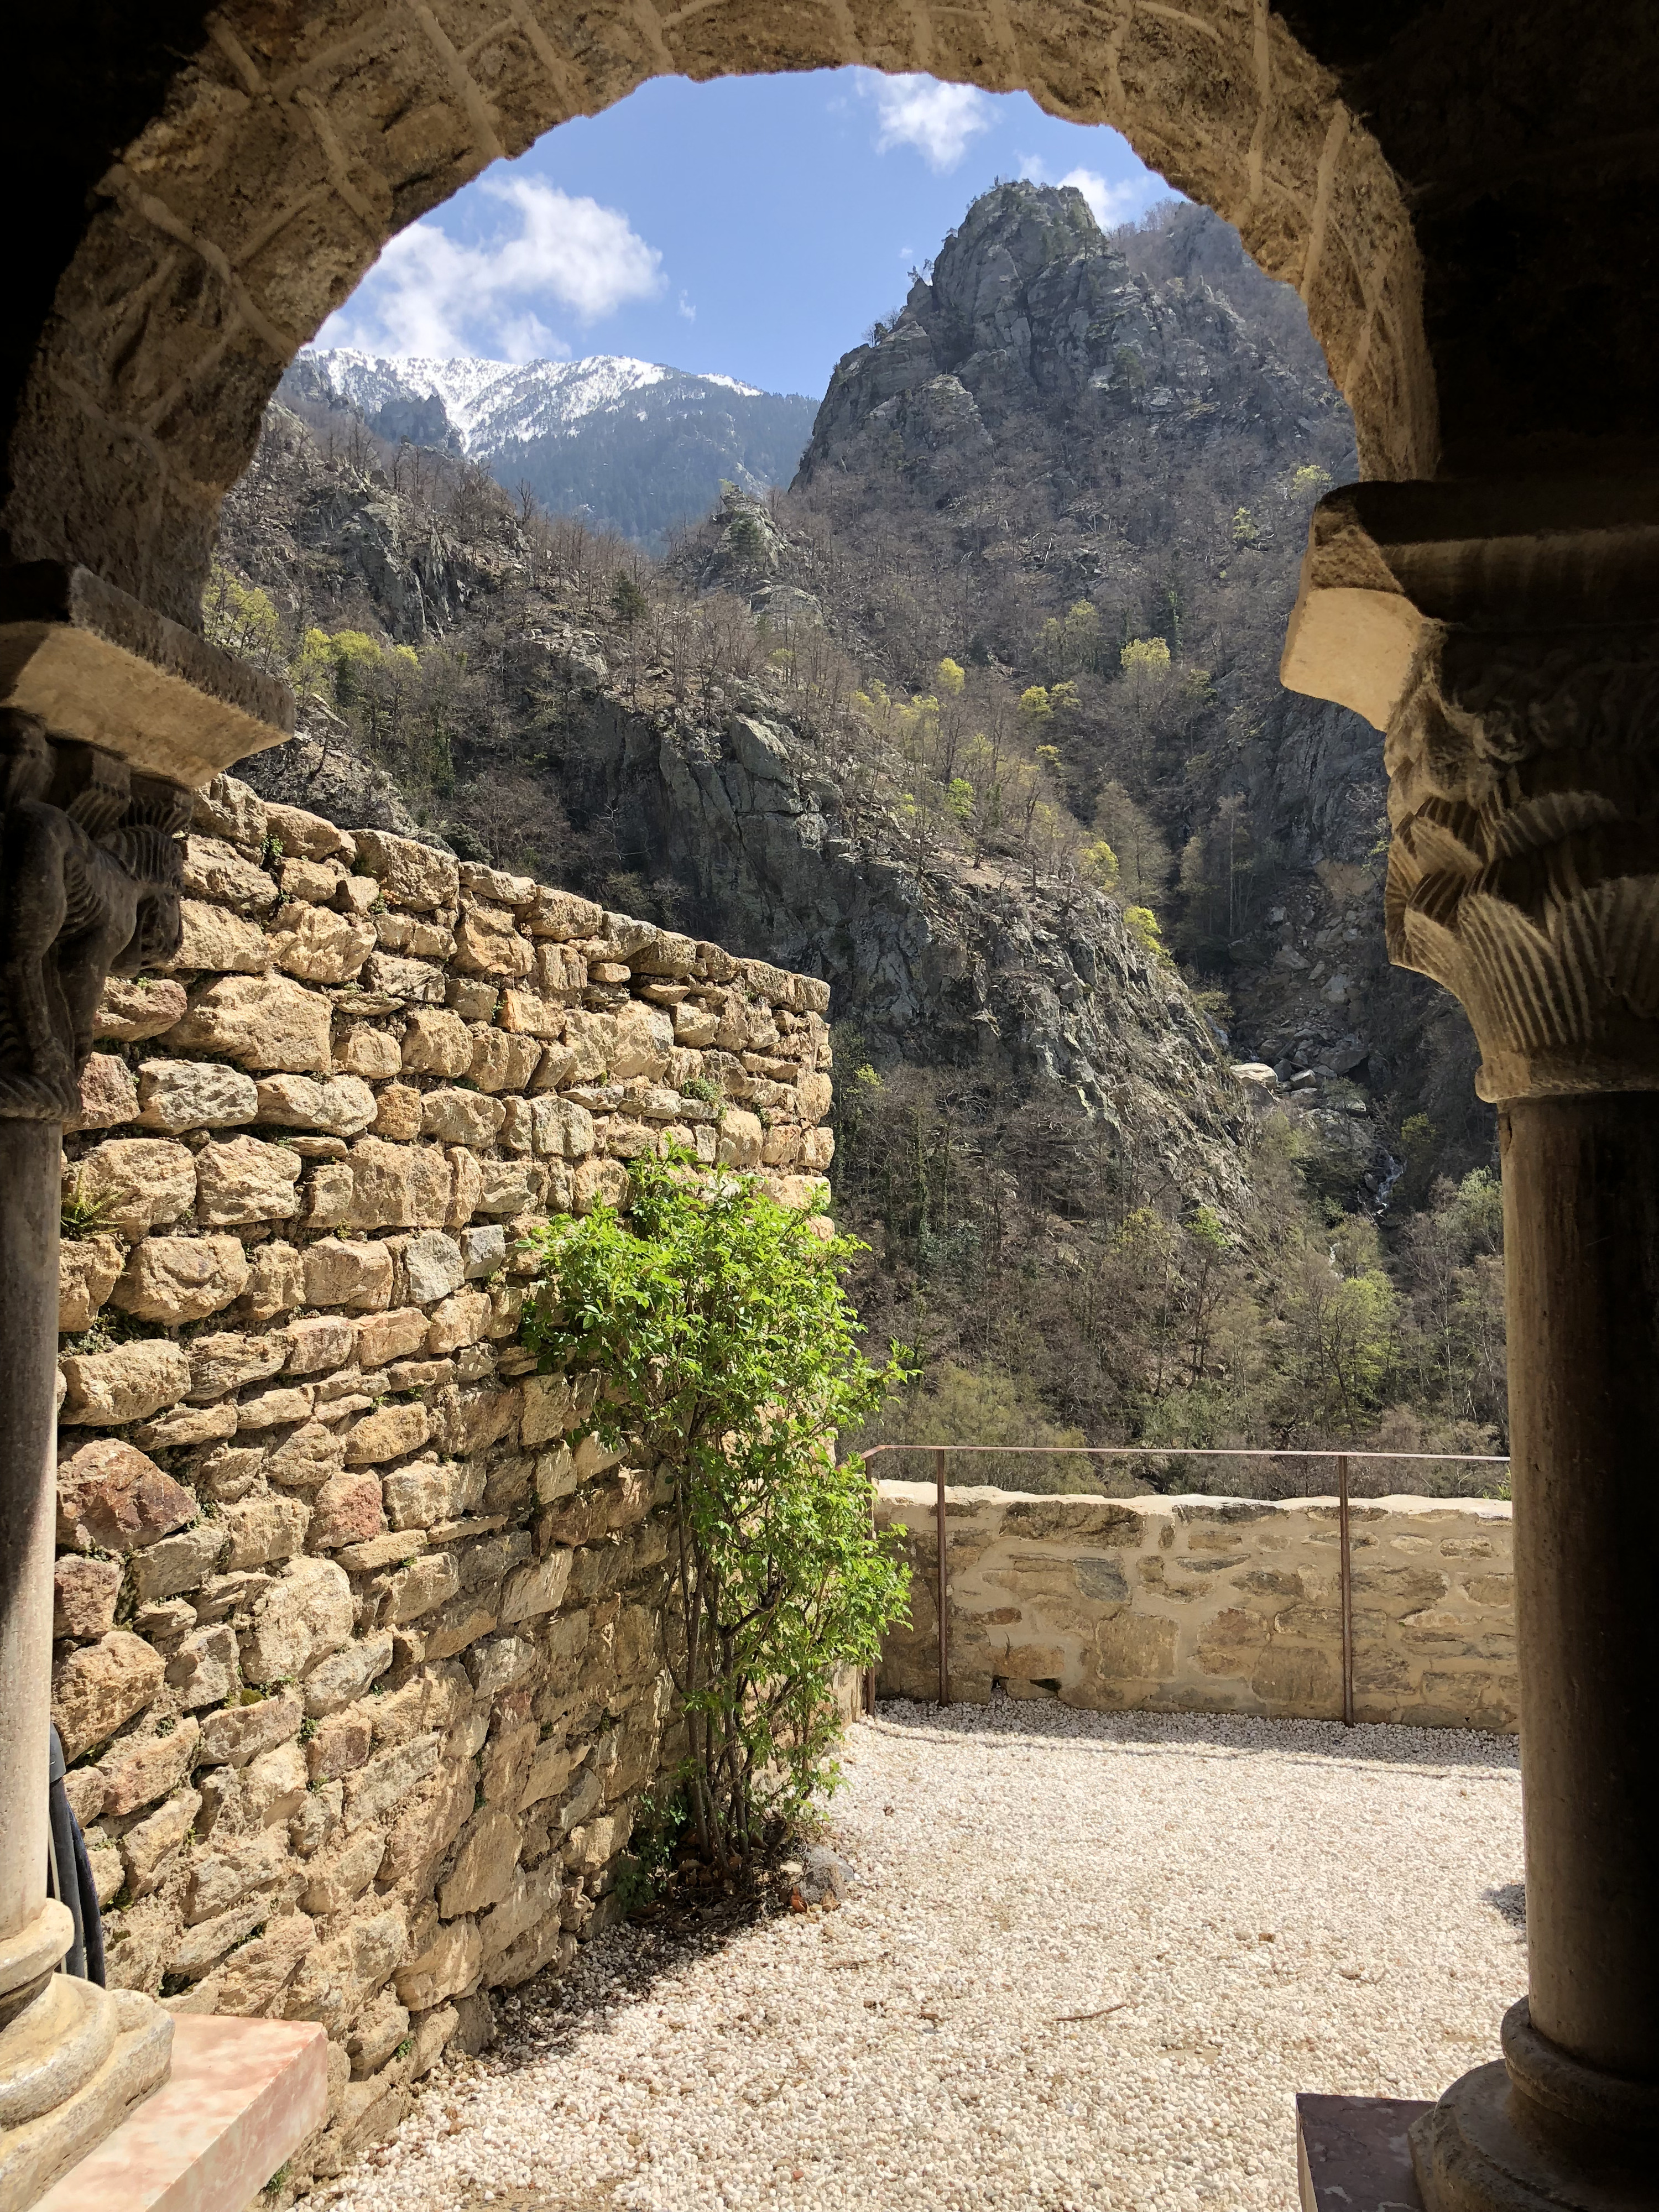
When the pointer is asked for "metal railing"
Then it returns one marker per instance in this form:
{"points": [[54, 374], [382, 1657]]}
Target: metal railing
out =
{"points": [[942, 1452]]}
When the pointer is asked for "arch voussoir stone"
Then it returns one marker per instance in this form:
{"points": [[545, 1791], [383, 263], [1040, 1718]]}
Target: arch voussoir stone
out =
{"points": [[302, 136]]}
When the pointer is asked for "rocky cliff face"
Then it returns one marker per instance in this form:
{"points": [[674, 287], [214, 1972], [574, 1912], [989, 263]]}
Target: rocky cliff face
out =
{"points": [[736, 814], [1139, 423]]}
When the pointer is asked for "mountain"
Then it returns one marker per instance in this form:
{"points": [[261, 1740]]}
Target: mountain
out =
{"points": [[1090, 458], [980, 720], [632, 446]]}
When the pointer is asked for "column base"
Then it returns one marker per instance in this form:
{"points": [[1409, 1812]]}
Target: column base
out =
{"points": [[73, 2063], [1485, 2147]]}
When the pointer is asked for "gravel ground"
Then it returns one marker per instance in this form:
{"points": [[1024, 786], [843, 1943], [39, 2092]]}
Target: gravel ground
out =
{"points": [[1088, 1962]]}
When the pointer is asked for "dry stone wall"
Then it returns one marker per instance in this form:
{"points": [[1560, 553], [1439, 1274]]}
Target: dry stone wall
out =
{"points": [[1212, 1605], [358, 1667]]}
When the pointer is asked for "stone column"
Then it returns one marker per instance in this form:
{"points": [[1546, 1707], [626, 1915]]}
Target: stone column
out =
{"points": [[90, 872], [1507, 643]]}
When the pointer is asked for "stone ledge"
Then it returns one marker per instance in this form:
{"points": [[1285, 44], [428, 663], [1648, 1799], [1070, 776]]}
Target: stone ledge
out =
{"points": [[1354, 2154], [243, 2095], [97, 666]]}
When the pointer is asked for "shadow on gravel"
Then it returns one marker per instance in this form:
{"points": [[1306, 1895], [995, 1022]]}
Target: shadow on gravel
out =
{"points": [[1238, 1733]]}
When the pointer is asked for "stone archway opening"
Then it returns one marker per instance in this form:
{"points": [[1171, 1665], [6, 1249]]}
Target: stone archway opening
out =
{"points": [[1497, 625]]}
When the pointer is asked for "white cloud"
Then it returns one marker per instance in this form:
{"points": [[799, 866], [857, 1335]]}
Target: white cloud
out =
{"points": [[431, 294], [1109, 204], [688, 308], [937, 120]]}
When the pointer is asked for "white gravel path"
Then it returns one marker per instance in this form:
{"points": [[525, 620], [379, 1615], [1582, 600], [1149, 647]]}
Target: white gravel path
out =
{"points": [[1242, 1908]]}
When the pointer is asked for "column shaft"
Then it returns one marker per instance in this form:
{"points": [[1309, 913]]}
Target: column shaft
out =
{"points": [[1581, 1198], [29, 1199]]}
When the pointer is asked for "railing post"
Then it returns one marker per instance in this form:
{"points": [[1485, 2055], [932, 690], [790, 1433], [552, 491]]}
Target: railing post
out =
{"points": [[944, 1584], [1347, 1588]]}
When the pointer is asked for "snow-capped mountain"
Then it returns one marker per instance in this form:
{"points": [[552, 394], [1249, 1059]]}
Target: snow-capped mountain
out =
{"points": [[632, 445]]}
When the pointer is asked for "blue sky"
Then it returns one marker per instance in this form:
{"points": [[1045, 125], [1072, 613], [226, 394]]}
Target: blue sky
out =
{"points": [[752, 226]]}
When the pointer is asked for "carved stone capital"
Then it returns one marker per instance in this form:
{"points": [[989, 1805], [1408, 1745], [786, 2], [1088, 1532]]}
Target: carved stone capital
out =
{"points": [[1516, 677], [89, 879]]}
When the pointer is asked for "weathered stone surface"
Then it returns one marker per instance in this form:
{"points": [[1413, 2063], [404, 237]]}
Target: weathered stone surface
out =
{"points": [[244, 1180], [181, 1279], [108, 1387], [203, 1669], [384, 1185], [274, 1408], [220, 1879], [391, 1335], [432, 1265], [487, 942], [254, 1976], [387, 1434], [149, 1846], [338, 1682], [243, 1733], [485, 1862], [307, 1615], [99, 1685], [108, 1094], [261, 1021], [368, 1051], [214, 940], [309, 837], [344, 1106], [340, 1272], [417, 982], [308, 1455], [447, 1967], [86, 1269], [276, 1283], [347, 1510], [461, 1117], [460, 1320], [320, 1342], [425, 1582], [194, 1094], [409, 874], [177, 1562], [131, 1008], [84, 1592], [535, 1589], [741, 1138], [229, 1359], [502, 1060], [261, 1529], [321, 946], [139, 1771], [133, 1184]]}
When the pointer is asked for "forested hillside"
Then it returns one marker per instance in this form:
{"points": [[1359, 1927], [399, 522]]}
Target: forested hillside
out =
{"points": [[980, 721]]}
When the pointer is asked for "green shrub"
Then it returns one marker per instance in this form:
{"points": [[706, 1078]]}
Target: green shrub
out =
{"points": [[717, 1320]]}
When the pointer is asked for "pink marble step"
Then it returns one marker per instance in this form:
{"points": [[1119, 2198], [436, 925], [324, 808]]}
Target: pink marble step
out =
{"points": [[242, 2097]]}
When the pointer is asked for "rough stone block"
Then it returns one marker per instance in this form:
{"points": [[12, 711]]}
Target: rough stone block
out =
{"points": [[319, 946], [87, 1270], [424, 1582], [320, 1343], [308, 1456], [131, 1009], [741, 1138], [262, 1529], [177, 1562], [244, 1180], [338, 1273], [446, 1966], [84, 1592], [461, 1117], [216, 871], [384, 1185], [308, 1614], [108, 1094], [387, 1434], [342, 1106], [437, 1043], [409, 873], [309, 837], [138, 1772], [488, 943], [175, 1095], [432, 1266], [391, 1335], [229, 1359], [134, 1184], [108, 1388], [274, 1409], [175, 1280], [347, 1510], [243, 1733], [99, 1685], [538, 1589], [261, 1021], [148, 1847], [219, 1879], [461, 1320], [369, 1052], [203, 1669], [214, 941], [276, 1283], [417, 982]]}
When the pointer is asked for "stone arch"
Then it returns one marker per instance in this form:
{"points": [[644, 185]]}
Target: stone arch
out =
{"points": [[302, 134]]}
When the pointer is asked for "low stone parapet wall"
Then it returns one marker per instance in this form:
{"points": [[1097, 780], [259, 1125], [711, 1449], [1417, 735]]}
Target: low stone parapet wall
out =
{"points": [[1212, 1604], [359, 1662]]}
